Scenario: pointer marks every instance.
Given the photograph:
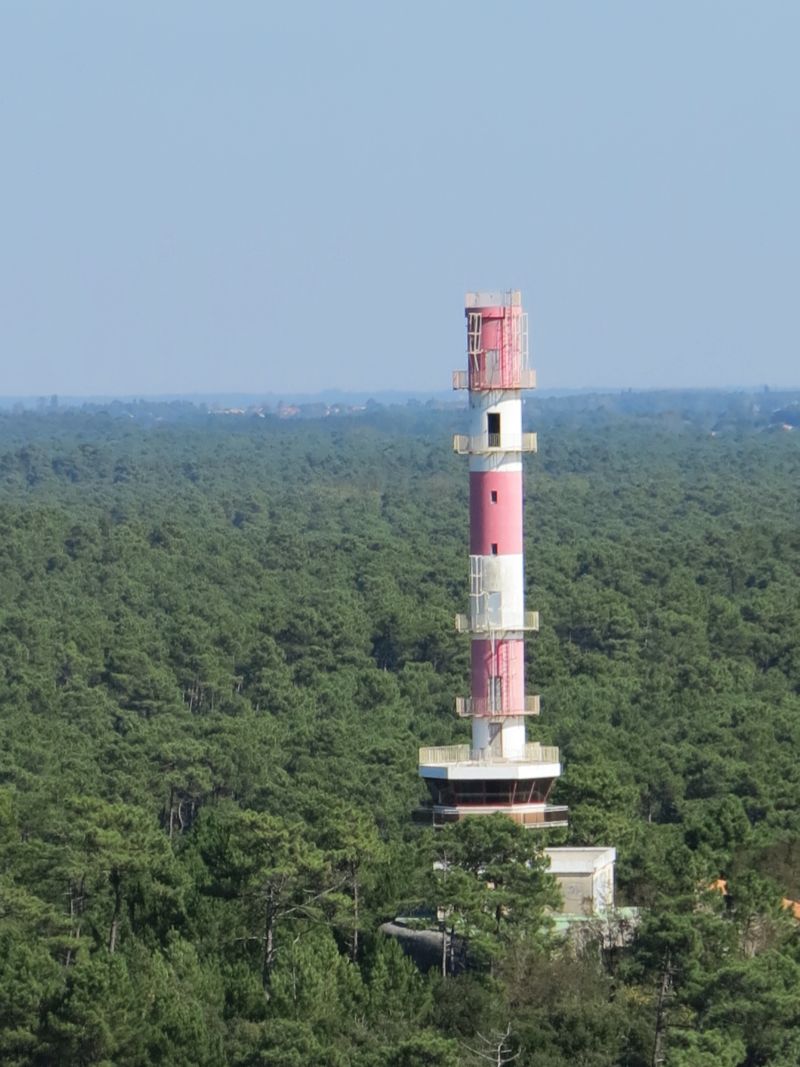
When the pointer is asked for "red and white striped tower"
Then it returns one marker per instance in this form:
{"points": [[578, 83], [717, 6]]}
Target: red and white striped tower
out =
{"points": [[501, 770]]}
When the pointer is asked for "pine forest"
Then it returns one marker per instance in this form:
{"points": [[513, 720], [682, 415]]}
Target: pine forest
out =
{"points": [[224, 639]]}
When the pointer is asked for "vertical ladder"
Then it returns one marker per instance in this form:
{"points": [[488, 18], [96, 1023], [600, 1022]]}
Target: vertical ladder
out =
{"points": [[476, 591], [474, 351]]}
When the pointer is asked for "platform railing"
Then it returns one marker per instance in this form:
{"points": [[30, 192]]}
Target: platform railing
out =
{"points": [[465, 445], [440, 755], [551, 815], [496, 378], [484, 707], [488, 623]]}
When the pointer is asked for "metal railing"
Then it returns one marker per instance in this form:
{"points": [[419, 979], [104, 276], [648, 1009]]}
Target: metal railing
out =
{"points": [[440, 755], [464, 445], [549, 815], [488, 623], [484, 707], [495, 378], [553, 815]]}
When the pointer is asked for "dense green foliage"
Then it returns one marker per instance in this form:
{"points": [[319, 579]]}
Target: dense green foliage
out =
{"points": [[222, 642]]}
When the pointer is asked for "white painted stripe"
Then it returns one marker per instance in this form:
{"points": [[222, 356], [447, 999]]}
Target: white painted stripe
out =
{"points": [[509, 410], [508, 406], [511, 744], [497, 593]]}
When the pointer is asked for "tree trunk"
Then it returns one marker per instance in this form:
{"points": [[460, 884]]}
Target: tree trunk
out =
{"points": [[116, 881], [75, 912], [354, 955], [269, 937], [661, 1012]]}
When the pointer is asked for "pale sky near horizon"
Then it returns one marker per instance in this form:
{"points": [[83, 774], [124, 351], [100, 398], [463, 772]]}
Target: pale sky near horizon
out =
{"points": [[203, 197]]}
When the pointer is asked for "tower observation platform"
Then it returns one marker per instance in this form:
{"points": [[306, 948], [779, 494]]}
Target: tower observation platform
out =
{"points": [[500, 770]]}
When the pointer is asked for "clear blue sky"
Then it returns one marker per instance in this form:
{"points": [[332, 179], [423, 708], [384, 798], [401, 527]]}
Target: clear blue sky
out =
{"points": [[266, 196]]}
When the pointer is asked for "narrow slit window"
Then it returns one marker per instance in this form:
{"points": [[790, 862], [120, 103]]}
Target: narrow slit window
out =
{"points": [[494, 548], [494, 496]]}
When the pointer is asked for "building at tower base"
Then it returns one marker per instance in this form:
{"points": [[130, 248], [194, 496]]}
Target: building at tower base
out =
{"points": [[585, 875]]}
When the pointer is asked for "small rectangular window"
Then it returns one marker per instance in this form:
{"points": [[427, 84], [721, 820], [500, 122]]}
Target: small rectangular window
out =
{"points": [[494, 548], [494, 496]]}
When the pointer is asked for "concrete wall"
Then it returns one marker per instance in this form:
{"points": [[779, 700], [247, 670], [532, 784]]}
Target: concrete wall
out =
{"points": [[585, 877], [576, 893]]}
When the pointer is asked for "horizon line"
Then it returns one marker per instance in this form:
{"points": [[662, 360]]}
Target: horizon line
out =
{"points": [[38, 397]]}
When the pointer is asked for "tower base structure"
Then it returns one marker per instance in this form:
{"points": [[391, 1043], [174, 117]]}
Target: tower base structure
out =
{"points": [[464, 781]]}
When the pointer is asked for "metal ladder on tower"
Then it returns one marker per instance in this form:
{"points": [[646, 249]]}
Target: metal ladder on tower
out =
{"points": [[474, 350]]}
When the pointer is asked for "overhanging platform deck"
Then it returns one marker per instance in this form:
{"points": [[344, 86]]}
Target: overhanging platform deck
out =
{"points": [[461, 763]]}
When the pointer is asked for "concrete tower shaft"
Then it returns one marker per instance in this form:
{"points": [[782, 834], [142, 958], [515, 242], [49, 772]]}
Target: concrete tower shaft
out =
{"points": [[496, 350], [500, 770]]}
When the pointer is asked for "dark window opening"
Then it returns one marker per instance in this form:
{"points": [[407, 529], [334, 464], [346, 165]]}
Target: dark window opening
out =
{"points": [[494, 496], [493, 428], [494, 548]]}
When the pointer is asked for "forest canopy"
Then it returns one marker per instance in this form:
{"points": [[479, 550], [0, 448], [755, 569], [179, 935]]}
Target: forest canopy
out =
{"points": [[223, 641]]}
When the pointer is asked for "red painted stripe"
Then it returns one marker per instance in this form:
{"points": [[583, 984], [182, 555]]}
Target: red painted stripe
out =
{"points": [[495, 521], [503, 659], [492, 332], [496, 336]]}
